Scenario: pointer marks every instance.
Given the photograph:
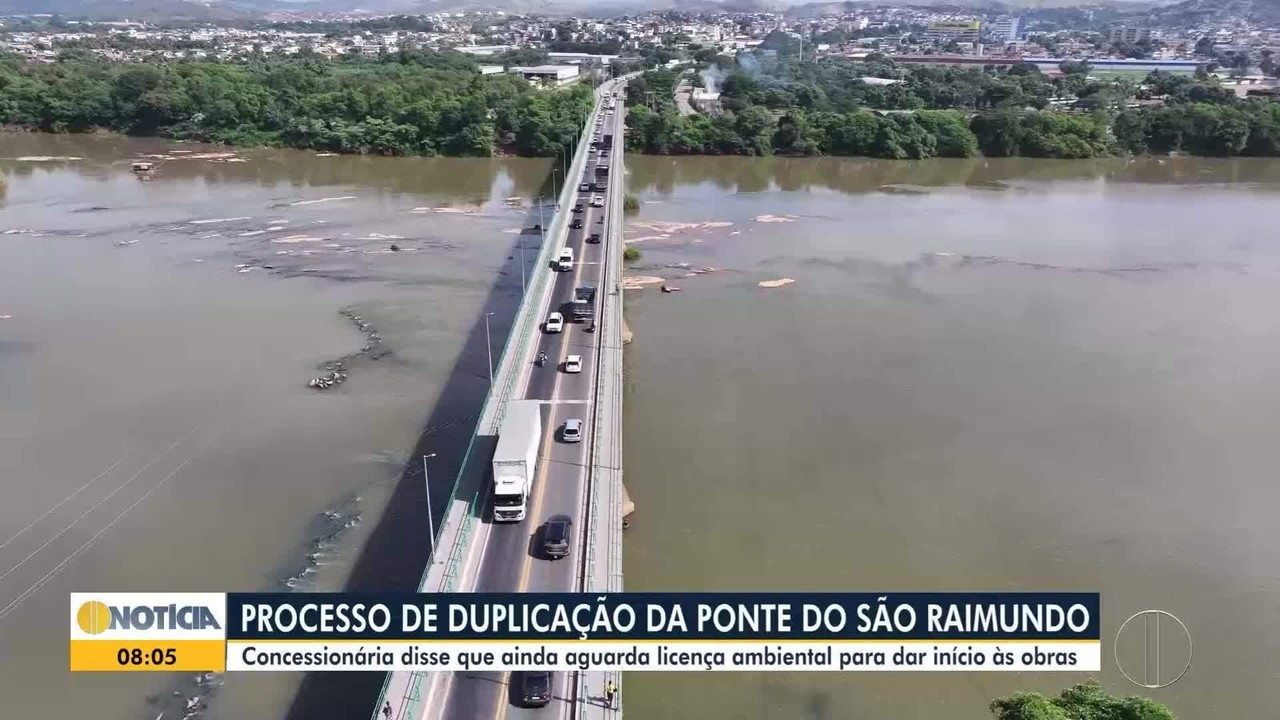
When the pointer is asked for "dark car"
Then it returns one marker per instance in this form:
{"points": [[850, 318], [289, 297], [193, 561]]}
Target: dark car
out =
{"points": [[577, 208], [593, 238], [576, 224], [535, 688], [555, 537]]}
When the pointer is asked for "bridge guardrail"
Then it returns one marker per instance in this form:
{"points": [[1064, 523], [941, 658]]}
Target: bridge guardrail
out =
{"points": [[606, 451]]}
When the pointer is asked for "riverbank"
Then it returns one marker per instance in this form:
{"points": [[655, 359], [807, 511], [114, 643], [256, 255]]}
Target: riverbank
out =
{"points": [[426, 105], [502, 149]]}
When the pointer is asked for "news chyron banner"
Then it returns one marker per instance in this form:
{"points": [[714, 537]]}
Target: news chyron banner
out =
{"points": [[263, 632]]}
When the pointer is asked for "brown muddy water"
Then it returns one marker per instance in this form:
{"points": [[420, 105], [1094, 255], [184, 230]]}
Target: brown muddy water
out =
{"points": [[985, 375], [156, 340]]}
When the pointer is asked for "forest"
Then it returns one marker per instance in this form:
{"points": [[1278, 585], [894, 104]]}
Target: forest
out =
{"points": [[406, 103], [829, 108]]}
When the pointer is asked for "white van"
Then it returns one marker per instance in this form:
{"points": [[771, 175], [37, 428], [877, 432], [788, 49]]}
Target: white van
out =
{"points": [[565, 261]]}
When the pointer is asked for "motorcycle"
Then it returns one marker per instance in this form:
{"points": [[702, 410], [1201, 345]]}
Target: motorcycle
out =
{"points": [[542, 359]]}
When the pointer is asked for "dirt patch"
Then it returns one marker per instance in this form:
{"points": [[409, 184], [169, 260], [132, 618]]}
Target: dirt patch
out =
{"points": [[775, 218], [445, 210], [775, 283], [672, 228], [323, 200], [639, 282]]}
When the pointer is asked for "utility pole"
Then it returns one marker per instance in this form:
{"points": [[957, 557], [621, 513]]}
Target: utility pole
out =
{"points": [[523, 288], [488, 345], [431, 523]]}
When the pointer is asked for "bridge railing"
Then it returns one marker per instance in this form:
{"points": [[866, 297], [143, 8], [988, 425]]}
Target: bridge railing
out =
{"points": [[522, 331], [604, 487]]}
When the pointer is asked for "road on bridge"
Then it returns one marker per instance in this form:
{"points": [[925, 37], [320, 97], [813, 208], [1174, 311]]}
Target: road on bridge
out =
{"points": [[510, 559]]}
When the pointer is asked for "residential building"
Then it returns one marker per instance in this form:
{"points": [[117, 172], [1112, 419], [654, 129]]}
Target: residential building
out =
{"points": [[1125, 35], [1005, 29]]}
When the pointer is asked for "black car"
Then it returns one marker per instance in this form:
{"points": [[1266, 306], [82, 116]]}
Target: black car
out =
{"points": [[593, 238], [535, 688], [556, 535], [577, 208], [576, 224]]}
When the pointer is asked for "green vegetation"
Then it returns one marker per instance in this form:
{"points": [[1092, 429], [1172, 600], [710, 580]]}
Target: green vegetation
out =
{"points": [[631, 254], [827, 109], [406, 103], [630, 205], [1087, 701]]}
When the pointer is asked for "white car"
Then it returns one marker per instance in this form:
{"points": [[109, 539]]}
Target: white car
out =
{"points": [[555, 323], [597, 201], [573, 364], [572, 432]]}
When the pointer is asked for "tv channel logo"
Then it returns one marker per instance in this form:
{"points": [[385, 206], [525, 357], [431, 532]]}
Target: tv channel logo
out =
{"points": [[122, 616]]}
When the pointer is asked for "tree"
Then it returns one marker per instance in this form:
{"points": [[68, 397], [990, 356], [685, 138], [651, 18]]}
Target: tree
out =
{"points": [[412, 102], [998, 133], [1086, 701], [953, 138], [755, 126]]}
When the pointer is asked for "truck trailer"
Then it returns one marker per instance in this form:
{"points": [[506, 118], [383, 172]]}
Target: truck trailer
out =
{"points": [[583, 305], [516, 459]]}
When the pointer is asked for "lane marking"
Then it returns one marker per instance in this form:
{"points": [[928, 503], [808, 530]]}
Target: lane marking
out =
{"points": [[535, 508]]}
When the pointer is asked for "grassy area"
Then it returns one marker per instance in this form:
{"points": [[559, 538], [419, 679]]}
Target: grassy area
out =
{"points": [[631, 254], [630, 205]]}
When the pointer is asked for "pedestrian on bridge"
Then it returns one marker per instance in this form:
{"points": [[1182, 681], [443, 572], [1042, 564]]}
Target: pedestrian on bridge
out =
{"points": [[609, 691], [386, 710]]}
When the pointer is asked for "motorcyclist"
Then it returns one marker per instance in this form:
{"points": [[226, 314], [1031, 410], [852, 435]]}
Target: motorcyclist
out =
{"points": [[542, 358]]}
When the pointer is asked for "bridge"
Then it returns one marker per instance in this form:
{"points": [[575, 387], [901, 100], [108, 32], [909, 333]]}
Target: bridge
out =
{"points": [[582, 480]]}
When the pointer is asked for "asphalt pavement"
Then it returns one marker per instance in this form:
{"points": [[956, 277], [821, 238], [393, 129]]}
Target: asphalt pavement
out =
{"points": [[511, 559]]}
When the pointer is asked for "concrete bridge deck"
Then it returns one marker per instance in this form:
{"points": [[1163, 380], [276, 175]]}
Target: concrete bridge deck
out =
{"points": [[583, 480]]}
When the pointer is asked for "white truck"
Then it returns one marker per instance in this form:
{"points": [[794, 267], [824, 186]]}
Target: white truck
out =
{"points": [[516, 459]]}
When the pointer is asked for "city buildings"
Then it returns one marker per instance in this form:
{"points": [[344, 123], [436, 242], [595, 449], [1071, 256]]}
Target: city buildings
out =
{"points": [[958, 31]]}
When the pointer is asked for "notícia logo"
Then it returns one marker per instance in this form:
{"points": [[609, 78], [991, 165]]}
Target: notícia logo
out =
{"points": [[95, 617]]}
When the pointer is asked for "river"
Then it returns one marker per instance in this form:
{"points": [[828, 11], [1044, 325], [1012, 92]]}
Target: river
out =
{"points": [[986, 375], [157, 336]]}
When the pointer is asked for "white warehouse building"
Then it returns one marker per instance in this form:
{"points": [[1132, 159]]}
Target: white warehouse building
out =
{"points": [[553, 74]]}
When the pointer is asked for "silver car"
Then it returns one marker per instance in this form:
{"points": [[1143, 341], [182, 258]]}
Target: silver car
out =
{"points": [[572, 432]]}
